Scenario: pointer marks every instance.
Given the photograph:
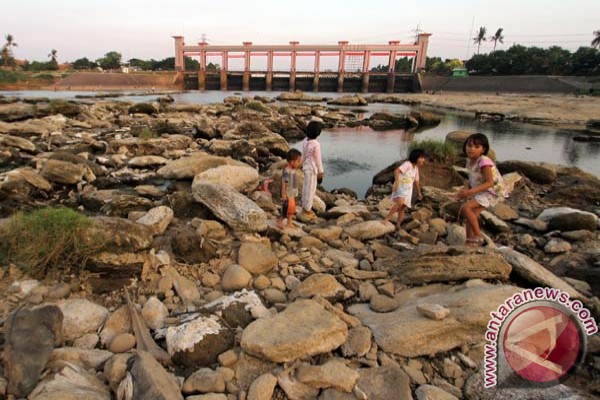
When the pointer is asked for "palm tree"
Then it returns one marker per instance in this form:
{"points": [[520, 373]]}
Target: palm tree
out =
{"points": [[10, 42], [596, 41], [7, 52], [52, 56], [480, 37], [497, 38]]}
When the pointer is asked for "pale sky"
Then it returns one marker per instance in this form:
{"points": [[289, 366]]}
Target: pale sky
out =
{"points": [[143, 28]]}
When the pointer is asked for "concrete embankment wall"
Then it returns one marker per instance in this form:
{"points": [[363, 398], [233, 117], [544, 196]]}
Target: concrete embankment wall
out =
{"points": [[119, 81], [506, 84]]}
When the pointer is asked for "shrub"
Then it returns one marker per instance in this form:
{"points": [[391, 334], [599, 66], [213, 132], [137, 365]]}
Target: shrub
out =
{"points": [[45, 239], [437, 150], [166, 127], [64, 107], [143, 108], [143, 133]]}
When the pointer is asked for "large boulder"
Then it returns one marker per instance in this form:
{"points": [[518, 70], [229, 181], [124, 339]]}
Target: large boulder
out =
{"points": [[443, 264], [189, 167], [388, 382], [157, 219], [71, 383], [537, 172], [408, 333], [65, 172], [233, 208], [568, 219], [16, 111], [30, 336], [19, 143], [304, 329], [118, 234], [240, 177], [349, 100], [324, 285]]}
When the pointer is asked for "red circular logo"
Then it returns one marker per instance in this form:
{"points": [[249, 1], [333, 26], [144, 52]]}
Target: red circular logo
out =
{"points": [[541, 344]]}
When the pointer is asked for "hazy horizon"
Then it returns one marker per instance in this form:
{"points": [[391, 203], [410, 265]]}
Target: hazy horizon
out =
{"points": [[137, 29]]}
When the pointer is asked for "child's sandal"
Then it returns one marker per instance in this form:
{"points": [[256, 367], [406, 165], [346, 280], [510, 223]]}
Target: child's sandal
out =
{"points": [[475, 242]]}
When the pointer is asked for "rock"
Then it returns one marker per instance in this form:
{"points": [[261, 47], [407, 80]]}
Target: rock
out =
{"points": [[86, 358], [235, 278], [198, 342], [115, 370], [324, 285], [16, 111], [242, 178], [118, 322], [293, 388], [256, 258], [382, 303], [355, 100], [262, 388], [443, 264], [369, 229], [87, 341], [494, 223], [118, 233], [71, 383], [146, 161], [150, 380], [185, 288], [358, 342], [504, 212], [66, 173], [122, 343], [205, 380], [430, 392], [275, 296], [59, 291], [457, 235], [154, 313], [439, 225], [343, 258], [535, 224], [408, 333], [580, 235], [28, 177], [557, 246], [236, 210], [357, 209], [533, 272], [304, 329], [457, 139], [474, 390], [537, 172], [80, 317], [574, 221], [332, 374], [30, 336], [19, 143], [157, 219], [189, 167], [328, 234], [433, 311], [384, 383], [143, 108]]}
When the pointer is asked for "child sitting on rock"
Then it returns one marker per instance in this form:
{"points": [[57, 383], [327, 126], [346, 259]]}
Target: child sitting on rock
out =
{"points": [[485, 185], [406, 176], [289, 187]]}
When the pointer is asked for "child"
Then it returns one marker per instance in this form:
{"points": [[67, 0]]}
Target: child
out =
{"points": [[405, 177], [289, 187], [312, 166], [485, 185]]}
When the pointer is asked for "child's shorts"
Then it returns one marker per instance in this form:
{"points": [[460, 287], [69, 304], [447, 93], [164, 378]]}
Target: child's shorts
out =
{"points": [[486, 200], [289, 207]]}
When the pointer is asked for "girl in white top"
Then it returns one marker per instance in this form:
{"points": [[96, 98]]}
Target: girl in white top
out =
{"points": [[406, 176], [312, 166]]}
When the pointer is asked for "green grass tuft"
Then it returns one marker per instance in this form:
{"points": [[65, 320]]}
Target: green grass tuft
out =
{"points": [[437, 150], [46, 239]]}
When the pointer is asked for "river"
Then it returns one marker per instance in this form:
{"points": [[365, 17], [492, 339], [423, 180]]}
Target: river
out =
{"points": [[353, 155]]}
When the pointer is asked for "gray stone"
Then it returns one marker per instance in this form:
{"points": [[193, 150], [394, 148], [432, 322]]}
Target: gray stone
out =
{"points": [[262, 388], [384, 383], [71, 383], [205, 380], [358, 342], [30, 336], [557, 246], [334, 373], [150, 380], [242, 178], [80, 317], [369, 229], [537, 172], [324, 285], [433, 311], [157, 219], [154, 313], [457, 235], [233, 208]]}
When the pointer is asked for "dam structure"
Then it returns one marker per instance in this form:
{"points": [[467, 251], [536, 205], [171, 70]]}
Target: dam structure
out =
{"points": [[353, 72]]}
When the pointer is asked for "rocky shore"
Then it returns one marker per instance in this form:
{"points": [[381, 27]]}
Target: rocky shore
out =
{"points": [[196, 294]]}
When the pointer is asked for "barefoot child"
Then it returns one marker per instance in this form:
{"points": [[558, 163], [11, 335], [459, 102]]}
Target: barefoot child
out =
{"points": [[405, 177], [485, 185], [312, 166], [289, 187]]}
